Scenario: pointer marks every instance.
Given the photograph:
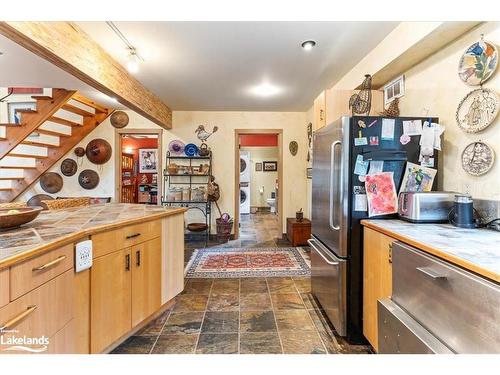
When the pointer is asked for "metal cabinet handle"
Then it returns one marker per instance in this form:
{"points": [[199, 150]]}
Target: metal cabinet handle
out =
{"points": [[127, 262], [138, 258], [311, 243], [332, 175], [50, 264], [133, 236], [14, 321], [431, 273]]}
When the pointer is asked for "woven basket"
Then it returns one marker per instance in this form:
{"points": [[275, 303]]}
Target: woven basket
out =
{"points": [[13, 205], [58, 204]]}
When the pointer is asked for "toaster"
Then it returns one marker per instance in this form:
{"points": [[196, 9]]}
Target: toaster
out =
{"points": [[425, 207]]}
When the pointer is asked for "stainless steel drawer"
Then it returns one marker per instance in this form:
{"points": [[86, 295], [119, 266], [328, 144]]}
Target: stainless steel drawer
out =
{"points": [[456, 306], [399, 333], [328, 284]]}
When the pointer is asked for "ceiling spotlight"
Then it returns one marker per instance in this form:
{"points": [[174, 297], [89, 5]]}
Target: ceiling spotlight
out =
{"points": [[133, 60], [265, 89], [308, 45]]}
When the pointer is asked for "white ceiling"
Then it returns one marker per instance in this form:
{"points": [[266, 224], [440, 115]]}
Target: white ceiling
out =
{"points": [[212, 65]]}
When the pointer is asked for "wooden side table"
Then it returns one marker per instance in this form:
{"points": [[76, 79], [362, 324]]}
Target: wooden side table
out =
{"points": [[298, 232]]}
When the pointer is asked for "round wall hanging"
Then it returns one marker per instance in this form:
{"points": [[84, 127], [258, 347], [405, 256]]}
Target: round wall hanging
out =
{"points": [[176, 147], [88, 179], [191, 149], [36, 200], [51, 182], [477, 158], [294, 147], [119, 119], [477, 110], [478, 63], [80, 152], [68, 167], [98, 151]]}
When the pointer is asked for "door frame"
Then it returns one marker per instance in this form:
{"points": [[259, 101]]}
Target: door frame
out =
{"points": [[279, 195], [118, 165]]}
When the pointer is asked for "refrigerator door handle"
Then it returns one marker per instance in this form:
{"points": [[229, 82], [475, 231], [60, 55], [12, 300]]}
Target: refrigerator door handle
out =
{"points": [[311, 243], [332, 175]]}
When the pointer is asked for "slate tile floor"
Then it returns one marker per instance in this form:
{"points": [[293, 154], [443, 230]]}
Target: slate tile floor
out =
{"points": [[246, 316]]}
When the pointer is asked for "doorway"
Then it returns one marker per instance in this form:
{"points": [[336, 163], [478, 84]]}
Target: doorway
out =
{"points": [[138, 166], [258, 188]]}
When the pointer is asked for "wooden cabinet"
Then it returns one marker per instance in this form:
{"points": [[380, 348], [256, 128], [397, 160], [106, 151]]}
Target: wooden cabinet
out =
{"points": [[36, 271], [41, 312], [333, 104], [298, 232], [320, 111], [125, 284], [4, 287], [110, 306], [377, 279], [172, 266], [146, 280]]}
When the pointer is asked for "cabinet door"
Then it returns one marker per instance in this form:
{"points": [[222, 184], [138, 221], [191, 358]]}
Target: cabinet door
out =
{"points": [[110, 306], [146, 279], [377, 279]]}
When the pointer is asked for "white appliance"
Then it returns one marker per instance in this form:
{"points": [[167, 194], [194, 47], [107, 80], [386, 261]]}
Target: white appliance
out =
{"points": [[244, 198], [244, 166]]}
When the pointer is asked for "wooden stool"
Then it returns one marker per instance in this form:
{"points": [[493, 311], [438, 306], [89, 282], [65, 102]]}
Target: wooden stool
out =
{"points": [[298, 232]]}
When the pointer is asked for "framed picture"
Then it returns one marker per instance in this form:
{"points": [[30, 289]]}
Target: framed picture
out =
{"points": [[270, 166], [309, 173], [258, 167], [14, 115], [148, 160]]}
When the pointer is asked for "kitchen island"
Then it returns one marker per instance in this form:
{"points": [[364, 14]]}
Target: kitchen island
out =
{"points": [[474, 250], [137, 269]]}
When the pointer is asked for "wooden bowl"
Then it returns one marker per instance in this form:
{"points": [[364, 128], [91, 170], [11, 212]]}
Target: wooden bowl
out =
{"points": [[12, 218], [197, 227]]}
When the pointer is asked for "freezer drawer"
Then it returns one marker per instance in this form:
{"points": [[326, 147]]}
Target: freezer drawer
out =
{"points": [[456, 306], [399, 333], [328, 284]]}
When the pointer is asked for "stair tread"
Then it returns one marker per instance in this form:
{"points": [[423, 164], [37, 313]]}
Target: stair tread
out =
{"points": [[17, 167], [63, 121], [81, 99], [5, 188], [11, 178], [77, 110], [10, 124], [26, 110], [18, 155], [52, 132], [36, 143]]}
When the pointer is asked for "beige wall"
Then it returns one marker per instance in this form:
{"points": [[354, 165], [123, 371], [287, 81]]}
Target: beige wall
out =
{"points": [[434, 85], [294, 127], [261, 179]]}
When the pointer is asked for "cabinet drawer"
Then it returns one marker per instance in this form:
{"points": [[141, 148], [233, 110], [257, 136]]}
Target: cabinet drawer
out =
{"points": [[41, 312], [4, 287], [458, 307], [110, 241], [34, 272]]}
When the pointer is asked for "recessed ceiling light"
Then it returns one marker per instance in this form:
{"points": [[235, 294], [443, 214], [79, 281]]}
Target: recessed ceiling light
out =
{"points": [[308, 45], [265, 89]]}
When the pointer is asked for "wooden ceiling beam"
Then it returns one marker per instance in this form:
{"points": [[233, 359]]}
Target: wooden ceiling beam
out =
{"points": [[65, 45]]}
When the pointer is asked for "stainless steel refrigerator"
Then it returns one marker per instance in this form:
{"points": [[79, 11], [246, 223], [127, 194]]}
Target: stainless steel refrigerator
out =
{"points": [[337, 243]]}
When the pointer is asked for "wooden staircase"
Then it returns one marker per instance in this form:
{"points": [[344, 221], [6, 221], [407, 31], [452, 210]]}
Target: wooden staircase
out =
{"points": [[44, 136]]}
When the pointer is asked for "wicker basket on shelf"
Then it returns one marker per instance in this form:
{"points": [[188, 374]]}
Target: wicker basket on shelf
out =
{"points": [[12, 205], [58, 204]]}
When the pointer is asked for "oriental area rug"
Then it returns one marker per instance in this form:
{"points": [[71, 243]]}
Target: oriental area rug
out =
{"points": [[248, 262]]}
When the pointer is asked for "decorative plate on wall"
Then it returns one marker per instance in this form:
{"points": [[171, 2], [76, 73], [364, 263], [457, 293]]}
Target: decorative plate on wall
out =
{"points": [[191, 149], [51, 182], [68, 167], [119, 119], [294, 147], [176, 147], [98, 151], [88, 179], [477, 158], [478, 63], [477, 110]]}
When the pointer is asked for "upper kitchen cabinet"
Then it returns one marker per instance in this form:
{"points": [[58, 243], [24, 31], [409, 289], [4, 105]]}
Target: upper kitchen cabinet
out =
{"points": [[332, 104]]}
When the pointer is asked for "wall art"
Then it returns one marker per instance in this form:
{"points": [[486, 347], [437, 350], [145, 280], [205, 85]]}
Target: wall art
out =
{"points": [[477, 110], [478, 63]]}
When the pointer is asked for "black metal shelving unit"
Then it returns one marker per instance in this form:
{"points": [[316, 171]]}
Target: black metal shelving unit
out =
{"points": [[189, 180]]}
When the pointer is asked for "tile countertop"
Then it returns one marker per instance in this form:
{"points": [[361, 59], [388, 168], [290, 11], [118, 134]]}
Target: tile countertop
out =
{"points": [[477, 250], [56, 228]]}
